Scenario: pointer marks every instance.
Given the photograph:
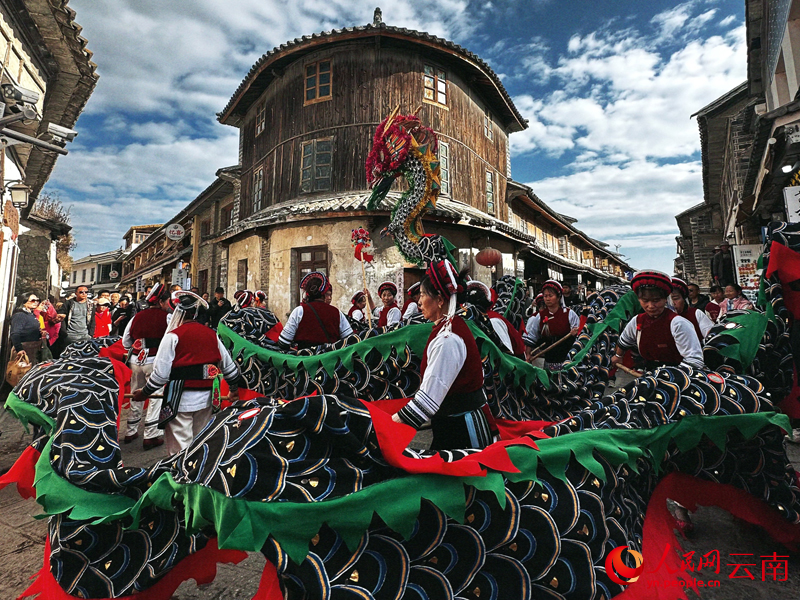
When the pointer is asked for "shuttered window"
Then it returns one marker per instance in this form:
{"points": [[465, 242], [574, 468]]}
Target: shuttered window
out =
{"points": [[490, 192]]}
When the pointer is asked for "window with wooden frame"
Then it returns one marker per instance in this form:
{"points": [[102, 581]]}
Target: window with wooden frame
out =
{"points": [[225, 217], [257, 195], [315, 165], [444, 168], [435, 82], [241, 275], [488, 126], [490, 192], [319, 82], [261, 118], [205, 228]]}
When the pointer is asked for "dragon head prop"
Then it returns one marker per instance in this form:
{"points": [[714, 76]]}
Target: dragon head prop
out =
{"points": [[404, 146]]}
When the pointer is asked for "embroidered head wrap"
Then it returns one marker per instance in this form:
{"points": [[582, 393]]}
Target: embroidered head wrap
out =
{"points": [[188, 306], [653, 279], [158, 293], [413, 289], [387, 285], [554, 286], [680, 286], [446, 281], [314, 285], [357, 297], [244, 298]]}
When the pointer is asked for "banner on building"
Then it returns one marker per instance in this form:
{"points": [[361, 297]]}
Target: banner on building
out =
{"points": [[745, 261], [791, 197]]}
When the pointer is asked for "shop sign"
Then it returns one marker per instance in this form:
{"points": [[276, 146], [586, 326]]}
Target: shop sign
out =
{"points": [[745, 259], [175, 232]]}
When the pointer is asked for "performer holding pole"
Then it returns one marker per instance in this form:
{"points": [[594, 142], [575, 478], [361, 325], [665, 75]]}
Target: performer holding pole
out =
{"points": [[361, 241], [188, 363], [553, 325]]}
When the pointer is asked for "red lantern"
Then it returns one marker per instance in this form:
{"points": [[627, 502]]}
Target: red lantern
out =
{"points": [[489, 257]]}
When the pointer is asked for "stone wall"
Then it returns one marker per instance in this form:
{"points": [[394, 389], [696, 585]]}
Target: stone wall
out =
{"points": [[34, 268]]}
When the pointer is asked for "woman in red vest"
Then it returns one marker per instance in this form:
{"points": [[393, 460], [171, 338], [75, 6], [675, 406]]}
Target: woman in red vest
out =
{"points": [[661, 336], [551, 324], [189, 359], [359, 302], [451, 394], [701, 323], [482, 297], [389, 313], [411, 307], [315, 321]]}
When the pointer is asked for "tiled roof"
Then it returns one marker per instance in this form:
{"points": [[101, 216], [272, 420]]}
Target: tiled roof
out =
{"points": [[292, 211], [259, 69]]}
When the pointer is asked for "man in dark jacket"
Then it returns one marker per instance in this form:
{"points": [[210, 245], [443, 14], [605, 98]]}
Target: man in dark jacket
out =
{"points": [[722, 266], [220, 306], [77, 316]]}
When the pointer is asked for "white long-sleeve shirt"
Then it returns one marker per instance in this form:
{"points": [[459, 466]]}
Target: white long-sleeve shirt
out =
{"points": [[446, 353], [191, 400], [411, 309], [501, 329], [704, 322], [392, 317], [533, 329], [290, 330], [685, 340]]}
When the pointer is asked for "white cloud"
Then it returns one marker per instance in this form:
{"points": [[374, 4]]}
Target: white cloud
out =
{"points": [[632, 204]]}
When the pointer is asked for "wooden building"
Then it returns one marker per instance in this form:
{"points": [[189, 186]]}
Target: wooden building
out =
{"points": [[307, 112]]}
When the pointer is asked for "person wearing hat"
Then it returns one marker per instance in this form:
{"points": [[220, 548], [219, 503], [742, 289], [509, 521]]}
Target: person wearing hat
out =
{"points": [[389, 313], [551, 324], [188, 362], [315, 321], [412, 306], [483, 298], [680, 303], [359, 303], [141, 339], [722, 265], [451, 394], [661, 336], [102, 318]]}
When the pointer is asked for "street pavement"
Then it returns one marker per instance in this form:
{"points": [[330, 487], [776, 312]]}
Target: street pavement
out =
{"points": [[22, 539]]}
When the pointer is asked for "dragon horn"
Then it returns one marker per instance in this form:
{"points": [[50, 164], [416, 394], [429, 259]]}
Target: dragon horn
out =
{"points": [[390, 120]]}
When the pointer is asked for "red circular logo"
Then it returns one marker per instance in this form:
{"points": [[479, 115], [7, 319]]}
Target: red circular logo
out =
{"points": [[716, 378], [616, 569]]}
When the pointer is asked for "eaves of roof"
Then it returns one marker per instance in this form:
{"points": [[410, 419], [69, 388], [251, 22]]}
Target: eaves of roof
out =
{"points": [[171, 254], [763, 130], [356, 204], [558, 218], [262, 72]]}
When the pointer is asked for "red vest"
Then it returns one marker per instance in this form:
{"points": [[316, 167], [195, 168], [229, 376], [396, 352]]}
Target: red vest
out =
{"points": [[517, 345], [656, 344], [557, 326], [197, 345], [470, 377], [310, 331], [150, 324], [352, 310], [690, 314], [383, 319]]}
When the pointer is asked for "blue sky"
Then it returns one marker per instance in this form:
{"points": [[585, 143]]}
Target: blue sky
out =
{"points": [[608, 88]]}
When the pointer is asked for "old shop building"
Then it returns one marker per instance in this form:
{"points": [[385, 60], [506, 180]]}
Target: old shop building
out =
{"points": [[750, 142], [307, 112]]}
